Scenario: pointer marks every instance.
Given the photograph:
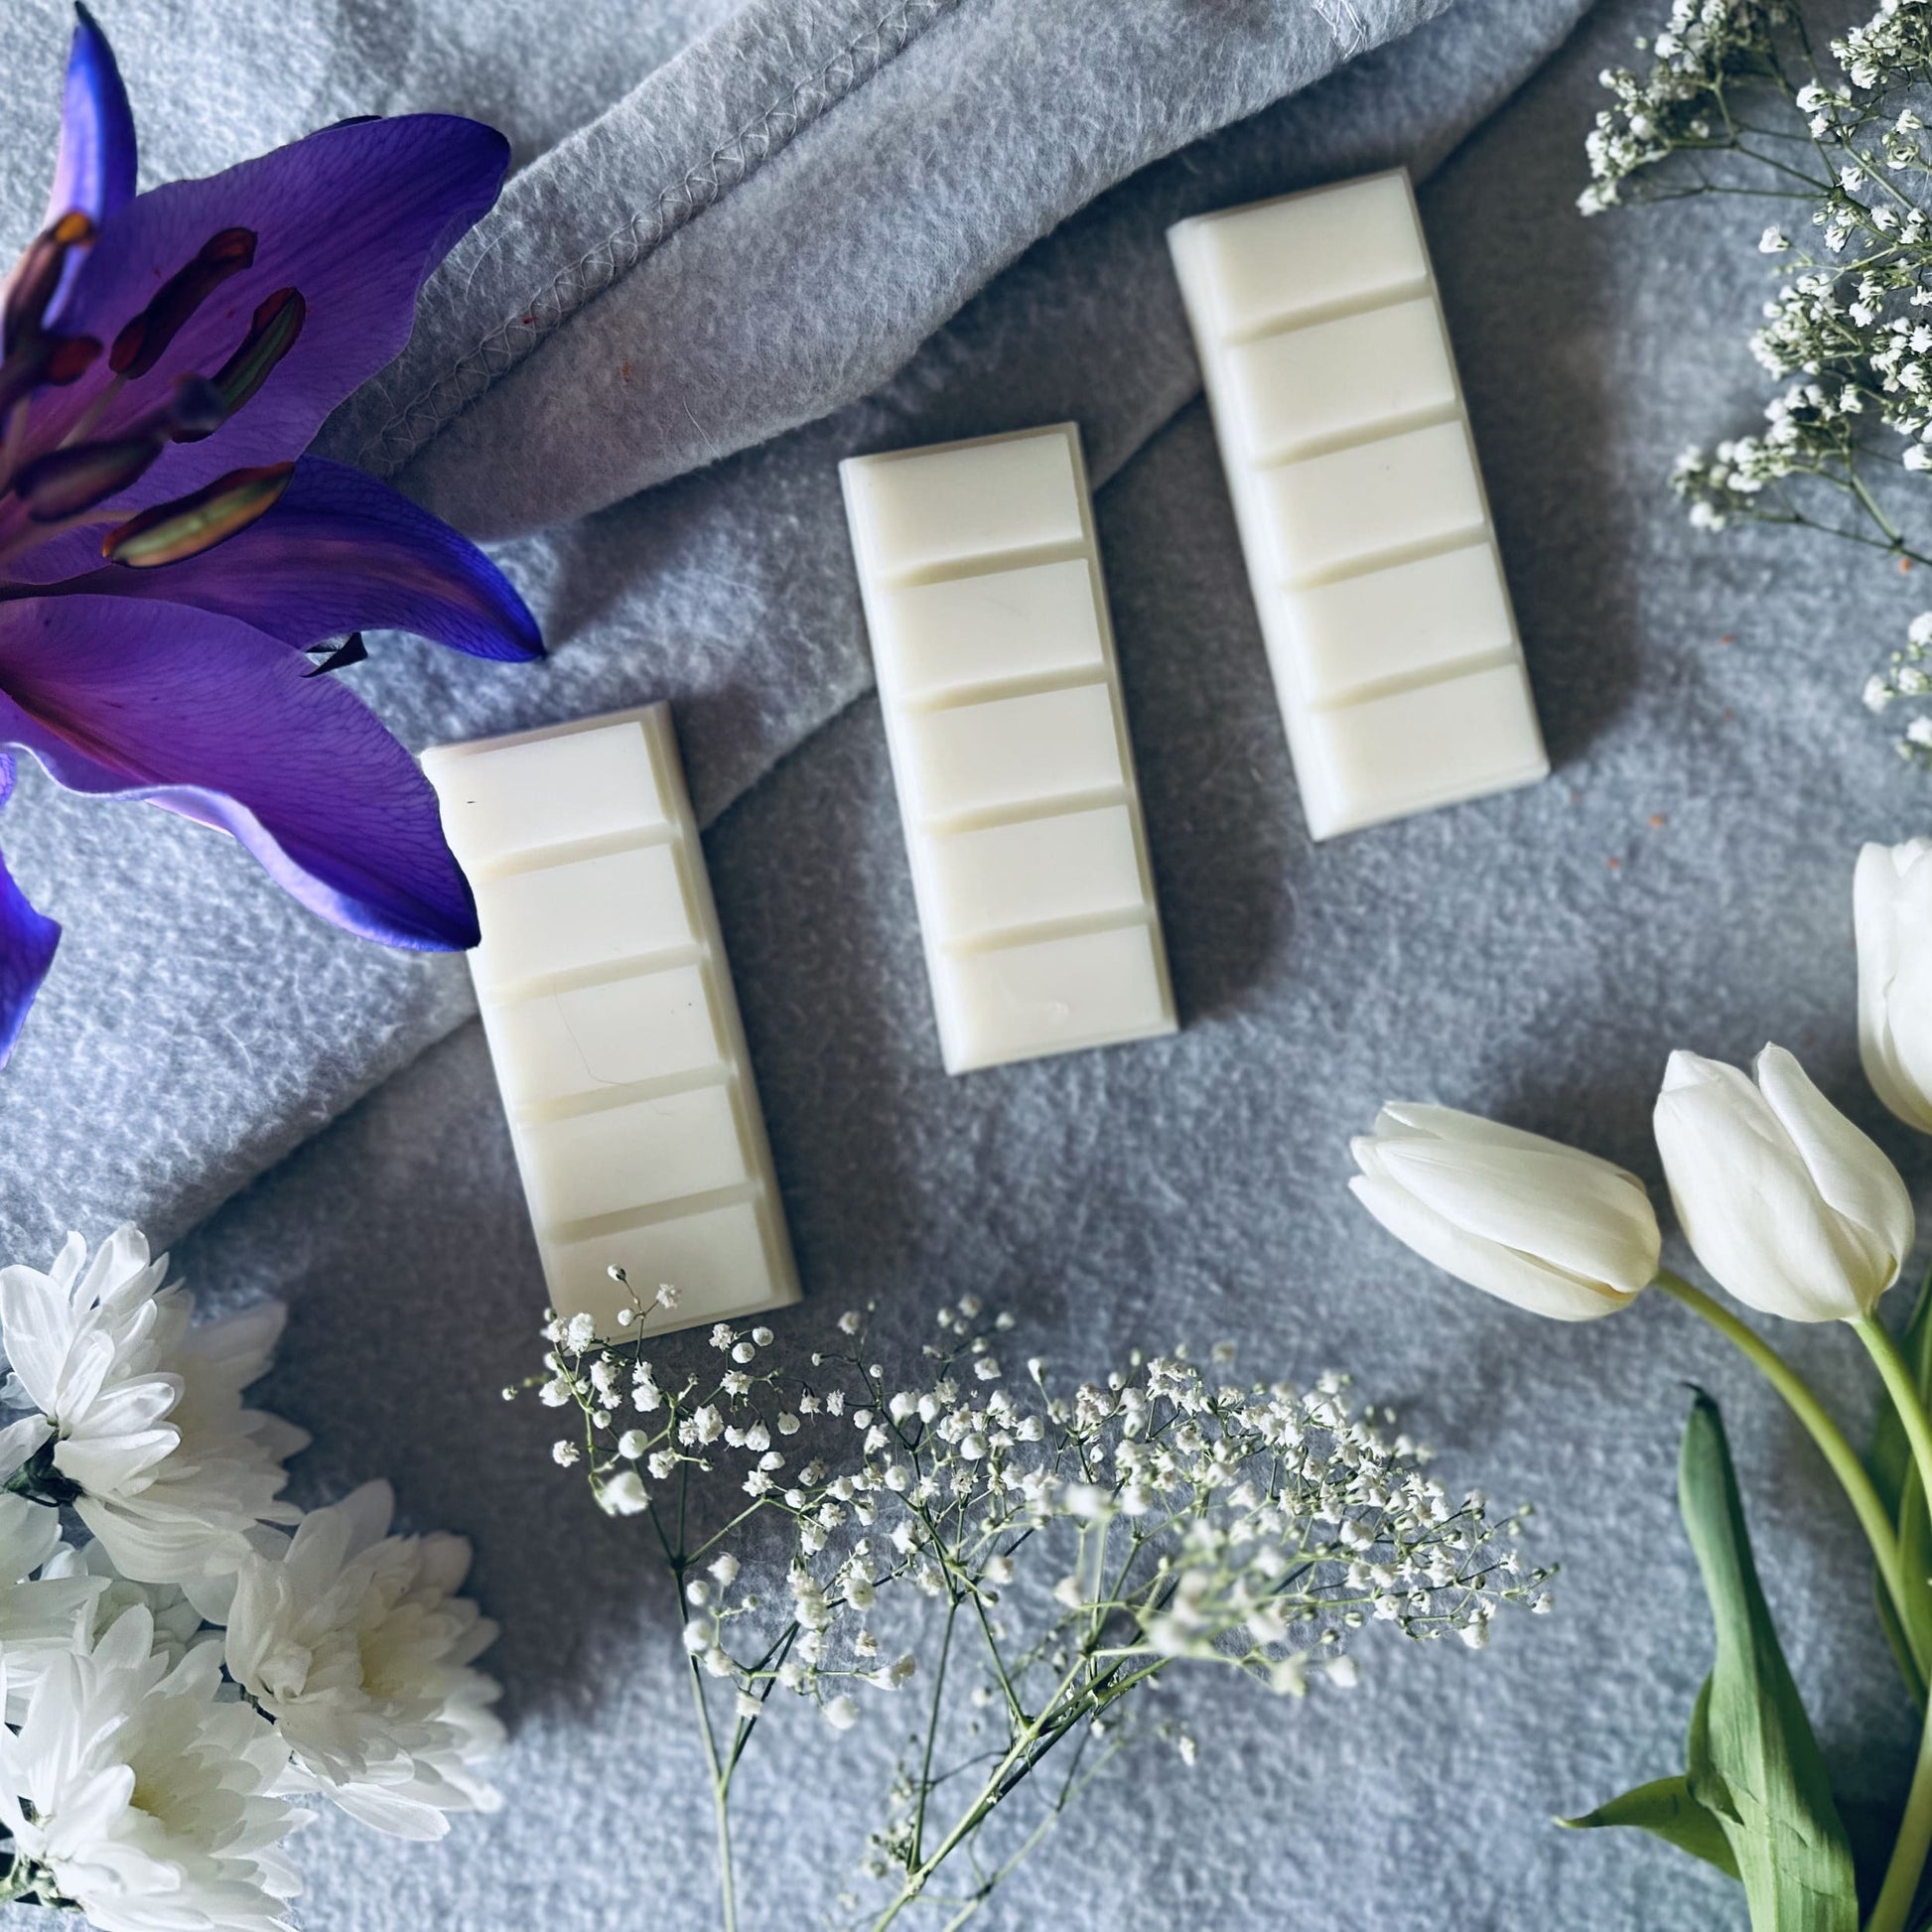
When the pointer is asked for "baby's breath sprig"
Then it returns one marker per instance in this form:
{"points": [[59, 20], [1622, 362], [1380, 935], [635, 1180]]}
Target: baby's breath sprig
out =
{"points": [[1906, 676], [1734, 100], [1035, 1558]]}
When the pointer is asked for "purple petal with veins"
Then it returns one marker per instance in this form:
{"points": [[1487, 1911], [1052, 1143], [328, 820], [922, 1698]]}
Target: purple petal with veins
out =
{"points": [[213, 720], [27, 942], [340, 552], [94, 171], [354, 216]]}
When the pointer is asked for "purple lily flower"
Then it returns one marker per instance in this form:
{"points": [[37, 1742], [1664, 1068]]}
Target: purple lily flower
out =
{"points": [[167, 552]]}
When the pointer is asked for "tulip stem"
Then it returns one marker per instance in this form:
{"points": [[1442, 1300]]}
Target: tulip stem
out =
{"points": [[1914, 1840], [1803, 1401]]}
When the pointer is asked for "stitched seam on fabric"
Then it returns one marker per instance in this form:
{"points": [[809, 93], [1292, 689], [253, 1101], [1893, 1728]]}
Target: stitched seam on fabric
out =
{"points": [[1357, 32], [729, 165]]}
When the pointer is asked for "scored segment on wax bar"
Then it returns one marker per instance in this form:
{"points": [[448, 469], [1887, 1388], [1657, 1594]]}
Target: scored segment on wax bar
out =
{"points": [[1361, 510], [1001, 695], [611, 1021]]}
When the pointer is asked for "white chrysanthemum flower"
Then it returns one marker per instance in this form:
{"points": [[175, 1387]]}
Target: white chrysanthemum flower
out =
{"points": [[141, 1423], [145, 1796], [44, 1614], [176, 1619], [357, 1644]]}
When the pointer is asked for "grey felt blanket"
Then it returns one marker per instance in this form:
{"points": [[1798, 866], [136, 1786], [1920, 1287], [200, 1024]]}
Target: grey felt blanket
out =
{"points": [[1683, 879]]}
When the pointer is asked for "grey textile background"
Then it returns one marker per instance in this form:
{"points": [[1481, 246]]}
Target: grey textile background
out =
{"points": [[1683, 879], [214, 1023]]}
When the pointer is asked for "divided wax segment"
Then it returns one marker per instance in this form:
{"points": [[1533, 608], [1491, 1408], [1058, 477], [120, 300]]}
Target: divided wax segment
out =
{"points": [[1003, 713], [1361, 510], [613, 1024]]}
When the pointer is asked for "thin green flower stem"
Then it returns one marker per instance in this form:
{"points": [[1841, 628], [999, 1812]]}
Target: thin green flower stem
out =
{"points": [[718, 1535], [1869, 503], [1915, 1838], [1803, 1401], [719, 1803], [772, 1657], [931, 1737], [969, 1819]]}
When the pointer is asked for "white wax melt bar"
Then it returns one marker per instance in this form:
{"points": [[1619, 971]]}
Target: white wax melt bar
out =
{"points": [[1008, 745], [1361, 510], [613, 1025]]}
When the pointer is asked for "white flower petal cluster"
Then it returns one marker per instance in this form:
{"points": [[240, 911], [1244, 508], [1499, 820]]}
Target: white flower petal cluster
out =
{"points": [[148, 1797], [355, 1642], [47, 1601], [140, 1414], [139, 1780]]}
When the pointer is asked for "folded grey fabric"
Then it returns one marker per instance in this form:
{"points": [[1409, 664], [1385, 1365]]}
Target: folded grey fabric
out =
{"points": [[859, 169], [198, 1025]]}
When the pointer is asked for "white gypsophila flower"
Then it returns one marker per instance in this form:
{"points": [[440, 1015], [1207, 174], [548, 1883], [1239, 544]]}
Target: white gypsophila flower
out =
{"points": [[1541, 1225], [1194, 1521], [147, 1797], [141, 1424], [624, 1494], [355, 1642], [1790, 1206], [1892, 912]]}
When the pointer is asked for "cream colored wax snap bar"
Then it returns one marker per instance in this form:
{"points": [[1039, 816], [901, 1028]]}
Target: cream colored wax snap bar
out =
{"points": [[1003, 713], [611, 1021], [1354, 479]]}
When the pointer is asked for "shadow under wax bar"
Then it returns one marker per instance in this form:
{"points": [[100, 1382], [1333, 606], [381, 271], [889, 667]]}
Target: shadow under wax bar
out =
{"points": [[1361, 510], [611, 1021], [1000, 696]]}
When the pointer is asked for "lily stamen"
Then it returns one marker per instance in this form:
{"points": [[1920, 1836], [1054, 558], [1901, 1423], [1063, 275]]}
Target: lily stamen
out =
{"points": [[77, 477], [272, 331], [143, 342], [37, 279], [170, 532]]}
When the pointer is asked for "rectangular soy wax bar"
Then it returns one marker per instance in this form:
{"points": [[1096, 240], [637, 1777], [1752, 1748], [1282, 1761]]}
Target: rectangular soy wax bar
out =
{"points": [[1009, 745], [1361, 510], [612, 1020]]}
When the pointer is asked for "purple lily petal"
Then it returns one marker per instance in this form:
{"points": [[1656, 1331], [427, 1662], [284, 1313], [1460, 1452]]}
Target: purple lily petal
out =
{"points": [[27, 942], [340, 552], [212, 720], [355, 216], [94, 172]]}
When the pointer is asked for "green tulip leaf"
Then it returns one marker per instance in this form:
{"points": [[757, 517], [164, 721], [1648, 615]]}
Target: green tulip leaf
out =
{"points": [[1665, 1808], [1754, 1766]]}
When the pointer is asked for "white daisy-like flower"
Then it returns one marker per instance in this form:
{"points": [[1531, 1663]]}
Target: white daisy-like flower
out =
{"points": [[145, 1797], [47, 1598], [357, 1644], [178, 1620], [141, 1425]]}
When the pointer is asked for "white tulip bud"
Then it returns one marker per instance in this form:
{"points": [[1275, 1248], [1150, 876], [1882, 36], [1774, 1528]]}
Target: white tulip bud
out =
{"points": [[1551, 1229], [1787, 1204], [1892, 901]]}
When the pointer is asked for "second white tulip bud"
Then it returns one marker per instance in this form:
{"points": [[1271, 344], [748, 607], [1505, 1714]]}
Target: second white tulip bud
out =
{"points": [[1786, 1203]]}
